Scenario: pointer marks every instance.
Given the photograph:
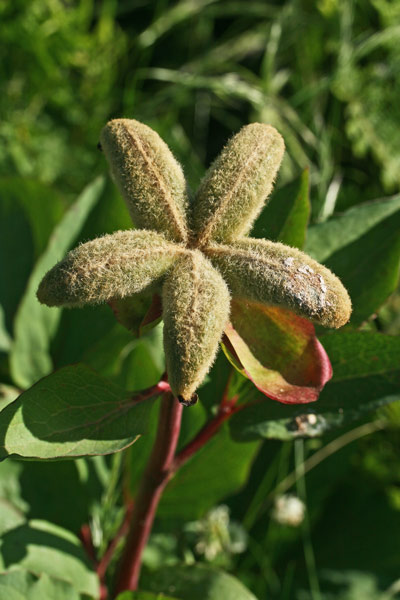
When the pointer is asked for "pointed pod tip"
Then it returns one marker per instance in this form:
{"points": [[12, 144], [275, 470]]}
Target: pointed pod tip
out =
{"points": [[188, 401]]}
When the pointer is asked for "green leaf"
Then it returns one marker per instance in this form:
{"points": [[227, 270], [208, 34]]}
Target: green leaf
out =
{"points": [[43, 548], [278, 351], [11, 484], [366, 376], [22, 585], [285, 218], [362, 247], [372, 549], [131, 311], [143, 596], [110, 214], [10, 516], [196, 582], [143, 363], [219, 469], [73, 412], [325, 239], [8, 394], [67, 491], [35, 324], [5, 339], [70, 346], [28, 212]]}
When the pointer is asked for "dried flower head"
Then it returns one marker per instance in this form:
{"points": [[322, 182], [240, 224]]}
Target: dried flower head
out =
{"points": [[198, 257]]}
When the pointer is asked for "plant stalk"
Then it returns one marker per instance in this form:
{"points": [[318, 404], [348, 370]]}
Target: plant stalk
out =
{"points": [[227, 409], [155, 478]]}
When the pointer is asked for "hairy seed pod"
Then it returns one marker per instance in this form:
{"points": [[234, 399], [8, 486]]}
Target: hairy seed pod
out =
{"points": [[195, 310], [235, 187], [148, 176], [277, 275], [113, 266]]}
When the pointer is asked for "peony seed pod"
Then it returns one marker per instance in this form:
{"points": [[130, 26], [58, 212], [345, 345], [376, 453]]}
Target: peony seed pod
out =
{"points": [[148, 177], [113, 266], [235, 187], [277, 275], [195, 310]]}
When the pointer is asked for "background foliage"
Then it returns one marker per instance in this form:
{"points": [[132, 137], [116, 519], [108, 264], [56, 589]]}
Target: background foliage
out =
{"points": [[326, 74]]}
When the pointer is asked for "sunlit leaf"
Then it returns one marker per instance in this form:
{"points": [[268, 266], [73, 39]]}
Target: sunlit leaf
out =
{"points": [[22, 585], [324, 239], [196, 582], [10, 516], [73, 412], [43, 548], [143, 596]]}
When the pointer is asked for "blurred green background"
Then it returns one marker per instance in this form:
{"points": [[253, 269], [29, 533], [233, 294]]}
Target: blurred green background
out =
{"points": [[326, 74]]}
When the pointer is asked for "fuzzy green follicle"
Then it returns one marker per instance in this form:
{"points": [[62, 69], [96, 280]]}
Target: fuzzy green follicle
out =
{"points": [[113, 266], [196, 269], [277, 275], [196, 305], [236, 186], [148, 176]]}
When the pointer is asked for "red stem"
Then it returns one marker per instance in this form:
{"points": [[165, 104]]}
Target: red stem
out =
{"points": [[226, 410], [86, 539], [155, 390], [109, 553], [155, 478]]}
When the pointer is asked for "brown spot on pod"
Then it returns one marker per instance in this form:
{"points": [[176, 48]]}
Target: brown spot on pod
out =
{"points": [[277, 275]]}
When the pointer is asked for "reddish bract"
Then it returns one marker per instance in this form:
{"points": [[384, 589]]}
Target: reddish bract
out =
{"points": [[278, 351]]}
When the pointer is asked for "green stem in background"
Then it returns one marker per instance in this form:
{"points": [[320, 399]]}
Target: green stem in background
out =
{"points": [[306, 528], [155, 478]]}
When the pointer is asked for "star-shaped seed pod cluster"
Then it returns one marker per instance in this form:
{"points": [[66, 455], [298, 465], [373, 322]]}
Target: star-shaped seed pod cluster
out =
{"points": [[195, 252]]}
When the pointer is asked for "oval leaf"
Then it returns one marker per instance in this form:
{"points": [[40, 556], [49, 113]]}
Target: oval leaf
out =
{"points": [[143, 596], [73, 412], [45, 549], [35, 324], [278, 351], [20, 585], [196, 582]]}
